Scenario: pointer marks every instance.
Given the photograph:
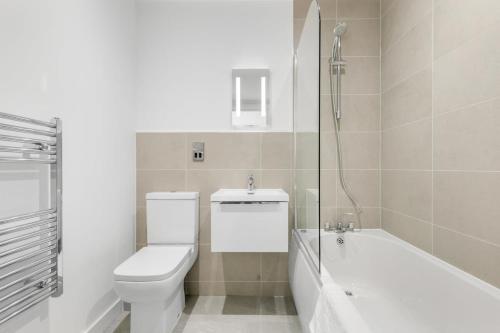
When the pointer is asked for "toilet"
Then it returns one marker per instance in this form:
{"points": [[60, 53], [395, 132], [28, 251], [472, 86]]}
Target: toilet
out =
{"points": [[152, 280]]}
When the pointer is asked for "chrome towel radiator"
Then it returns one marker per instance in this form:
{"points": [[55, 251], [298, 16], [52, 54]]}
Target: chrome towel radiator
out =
{"points": [[31, 243]]}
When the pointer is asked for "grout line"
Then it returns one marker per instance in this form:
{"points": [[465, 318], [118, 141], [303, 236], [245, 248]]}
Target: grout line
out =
{"points": [[410, 29], [388, 9], [465, 107], [407, 124], [467, 235], [407, 216], [404, 79]]}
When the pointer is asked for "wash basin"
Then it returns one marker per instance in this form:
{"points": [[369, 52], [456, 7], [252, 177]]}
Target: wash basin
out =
{"points": [[243, 195]]}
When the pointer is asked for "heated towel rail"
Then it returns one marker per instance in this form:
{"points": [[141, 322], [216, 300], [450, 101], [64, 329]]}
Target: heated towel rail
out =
{"points": [[31, 243]]}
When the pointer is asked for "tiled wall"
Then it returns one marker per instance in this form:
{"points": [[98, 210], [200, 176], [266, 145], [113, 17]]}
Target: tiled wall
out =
{"points": [[164, 163], [360, 125], [360, 105], [440, 129]]}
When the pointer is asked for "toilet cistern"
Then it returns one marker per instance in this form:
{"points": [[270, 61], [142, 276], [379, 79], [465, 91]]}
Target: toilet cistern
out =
{"points": [[251, 184]]}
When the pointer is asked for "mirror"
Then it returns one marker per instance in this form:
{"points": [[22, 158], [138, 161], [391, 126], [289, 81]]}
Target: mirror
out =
{"points": [[251, 97]]}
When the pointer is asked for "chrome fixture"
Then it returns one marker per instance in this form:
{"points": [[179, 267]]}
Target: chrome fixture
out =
{"points": [[339, 228], [31, 243], [337, 65], [251, 184]]}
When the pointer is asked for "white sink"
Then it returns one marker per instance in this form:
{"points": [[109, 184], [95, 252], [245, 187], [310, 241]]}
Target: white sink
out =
{"points": [[243, 195]]}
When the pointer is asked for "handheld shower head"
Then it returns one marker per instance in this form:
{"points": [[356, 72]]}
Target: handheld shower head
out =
{"points": [[340, 29]]}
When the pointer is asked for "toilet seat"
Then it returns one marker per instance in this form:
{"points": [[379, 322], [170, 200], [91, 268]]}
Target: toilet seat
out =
{"points": [[153, 263]]}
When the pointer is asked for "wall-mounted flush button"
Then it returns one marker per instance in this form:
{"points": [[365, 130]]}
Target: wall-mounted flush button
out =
{"points": [[198, 151]]}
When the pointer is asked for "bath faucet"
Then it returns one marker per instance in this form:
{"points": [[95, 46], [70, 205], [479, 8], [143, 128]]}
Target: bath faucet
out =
{"points": [[340, 227], [251, 184]]}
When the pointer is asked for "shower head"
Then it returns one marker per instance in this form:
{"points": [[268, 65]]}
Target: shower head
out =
{"points": [[339, 29]]}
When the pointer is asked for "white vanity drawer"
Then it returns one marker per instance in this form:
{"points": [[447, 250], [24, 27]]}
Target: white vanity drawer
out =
{"points": [[249, 226]]}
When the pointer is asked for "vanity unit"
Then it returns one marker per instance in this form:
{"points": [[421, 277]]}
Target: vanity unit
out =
{"points": [[249, 221]]}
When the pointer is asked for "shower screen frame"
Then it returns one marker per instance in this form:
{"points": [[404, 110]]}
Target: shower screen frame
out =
{"points": [[306, 110]]}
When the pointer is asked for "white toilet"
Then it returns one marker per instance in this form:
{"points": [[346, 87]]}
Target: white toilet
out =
{"points": [[152, 280]]}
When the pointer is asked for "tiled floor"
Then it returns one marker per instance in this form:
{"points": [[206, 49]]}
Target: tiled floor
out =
{"points": [[234, 314]]}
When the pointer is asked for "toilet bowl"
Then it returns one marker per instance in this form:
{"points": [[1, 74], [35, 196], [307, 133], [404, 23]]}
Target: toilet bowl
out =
{"points": [[152, 280]]}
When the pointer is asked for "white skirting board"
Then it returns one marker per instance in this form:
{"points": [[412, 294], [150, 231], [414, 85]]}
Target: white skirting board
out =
{"points": [[110, 318]]}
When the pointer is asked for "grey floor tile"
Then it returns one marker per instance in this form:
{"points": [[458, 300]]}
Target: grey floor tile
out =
{"points": [[234, 314]]}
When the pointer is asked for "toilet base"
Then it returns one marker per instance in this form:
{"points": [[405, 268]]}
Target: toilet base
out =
{"points": [[159, 317]]}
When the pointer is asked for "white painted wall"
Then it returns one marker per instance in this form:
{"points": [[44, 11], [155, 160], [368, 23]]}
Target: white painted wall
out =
{"points": [[74, 59], [186, 50]]}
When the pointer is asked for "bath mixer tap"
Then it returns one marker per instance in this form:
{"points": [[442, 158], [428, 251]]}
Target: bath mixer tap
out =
{"points": [[251, 184], [340, 228]]}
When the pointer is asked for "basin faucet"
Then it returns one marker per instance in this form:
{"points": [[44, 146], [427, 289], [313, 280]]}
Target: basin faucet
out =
{"points": [[251, 184]]}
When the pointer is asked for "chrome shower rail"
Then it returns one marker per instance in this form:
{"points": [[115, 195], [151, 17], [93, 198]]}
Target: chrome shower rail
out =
{"points": [[31, 243]]}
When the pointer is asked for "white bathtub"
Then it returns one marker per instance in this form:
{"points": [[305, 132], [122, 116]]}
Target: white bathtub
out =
{"points": [[395, 287]]}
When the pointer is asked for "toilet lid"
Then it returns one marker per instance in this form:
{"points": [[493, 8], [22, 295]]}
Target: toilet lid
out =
{"points": [[152, 263]]}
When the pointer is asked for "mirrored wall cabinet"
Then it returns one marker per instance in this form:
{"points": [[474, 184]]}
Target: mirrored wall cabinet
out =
{"points": [[251, 97]]}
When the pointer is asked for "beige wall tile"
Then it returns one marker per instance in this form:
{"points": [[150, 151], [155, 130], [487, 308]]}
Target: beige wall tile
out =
{"points": [[456, 22], [411, 230], [457, 83], [468, 202], [365, 187], [401, 17], [476, 257], [328, 187], [279, 179], [209, 181], [161, 150], [359, 8], [277, 150], [362, 38], [205, 236], [328, 150], [385, 5], [370, 217], [328, 9], [359, 113], [362, 76], [327, 26], [361, 150], [408, 101], [408, 192], [329, 214], [158, 181], [411, 54], [468, 139], [141, 227], [212, 266], [408, 146], [226, 150], [306, 150], [304, 181], [275, 267], [300, 8]]}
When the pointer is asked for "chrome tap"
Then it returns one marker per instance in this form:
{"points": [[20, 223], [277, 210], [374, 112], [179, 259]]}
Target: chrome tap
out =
{"points": [[340, 227], [251, 184]]}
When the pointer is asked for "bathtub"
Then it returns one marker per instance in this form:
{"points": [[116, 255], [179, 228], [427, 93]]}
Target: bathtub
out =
{"points": [[387, 285]]}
